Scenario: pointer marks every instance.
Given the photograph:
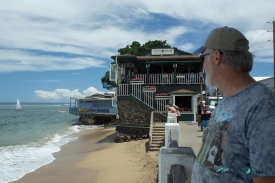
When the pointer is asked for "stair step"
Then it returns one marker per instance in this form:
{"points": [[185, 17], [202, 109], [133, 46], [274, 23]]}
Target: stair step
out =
{"points": [[156, 140], [154, 149], [158, 134], [159, 130], [157, 144], [158, 137]]}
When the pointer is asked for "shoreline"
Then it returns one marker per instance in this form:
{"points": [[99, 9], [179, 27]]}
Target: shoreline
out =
{"points": [[95, 157]]}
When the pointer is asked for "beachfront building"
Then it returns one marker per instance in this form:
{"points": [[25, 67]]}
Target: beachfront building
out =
{"points": [[151, 80], [95, 109]]}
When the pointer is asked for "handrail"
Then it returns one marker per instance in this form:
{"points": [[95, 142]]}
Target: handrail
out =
{"points": [[150, 100], [151, 128], [153, 121], [161, 104]]}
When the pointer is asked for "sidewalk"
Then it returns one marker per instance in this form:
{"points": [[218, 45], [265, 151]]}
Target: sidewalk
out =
{"points": [[190, 135]]}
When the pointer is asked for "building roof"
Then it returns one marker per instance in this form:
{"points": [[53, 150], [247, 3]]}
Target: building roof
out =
{"points": [[159, 58], [183, 91], [93, 98], [262, 78]]}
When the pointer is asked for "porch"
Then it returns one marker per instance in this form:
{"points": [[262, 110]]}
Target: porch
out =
{"points": [[163, 79]]}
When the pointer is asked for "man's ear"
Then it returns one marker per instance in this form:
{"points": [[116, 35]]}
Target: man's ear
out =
{"points": [[218, 57]]}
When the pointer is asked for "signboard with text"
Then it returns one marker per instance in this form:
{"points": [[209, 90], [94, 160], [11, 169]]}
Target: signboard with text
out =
{"points": [[163, 51]]}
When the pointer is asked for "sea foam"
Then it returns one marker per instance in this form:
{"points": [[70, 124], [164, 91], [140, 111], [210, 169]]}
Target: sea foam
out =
{"points": [[16, 161]]}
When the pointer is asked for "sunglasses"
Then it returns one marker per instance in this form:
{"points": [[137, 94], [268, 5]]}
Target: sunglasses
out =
{"points": [[203, 56], [209, 53]]}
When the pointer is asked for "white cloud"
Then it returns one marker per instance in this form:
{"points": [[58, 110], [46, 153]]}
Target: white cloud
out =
{"points": [[90, 91], [64, 94], [26, 61], [72, 35], [187, 47]]}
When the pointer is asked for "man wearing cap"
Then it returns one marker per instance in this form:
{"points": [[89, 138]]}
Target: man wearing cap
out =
{"points": [[244, 118]]}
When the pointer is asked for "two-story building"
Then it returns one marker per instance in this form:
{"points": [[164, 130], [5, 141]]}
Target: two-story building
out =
{"points": [[151, 80]]}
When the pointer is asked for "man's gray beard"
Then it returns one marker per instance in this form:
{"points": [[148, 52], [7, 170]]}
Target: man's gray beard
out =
{"points": [[208, 82]]}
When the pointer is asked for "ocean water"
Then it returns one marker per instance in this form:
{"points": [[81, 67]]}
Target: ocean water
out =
{"points": [[29, 137]]}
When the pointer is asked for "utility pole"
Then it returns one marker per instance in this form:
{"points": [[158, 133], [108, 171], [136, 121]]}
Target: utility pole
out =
{"points": [[274, 53]]}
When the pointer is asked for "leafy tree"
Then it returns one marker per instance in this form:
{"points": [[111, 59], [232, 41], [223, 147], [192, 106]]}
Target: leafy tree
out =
{"points": [[106, 82], [136, 47]]}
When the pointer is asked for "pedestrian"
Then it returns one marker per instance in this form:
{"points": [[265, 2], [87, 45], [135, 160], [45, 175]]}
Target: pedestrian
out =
{"points": [[173, 110], [177, 110], [206, 106], [172, 78], [244, 120], [205, 116]]}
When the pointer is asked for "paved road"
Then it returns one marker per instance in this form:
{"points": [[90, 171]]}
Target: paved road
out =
{"points": [[190, 135]]}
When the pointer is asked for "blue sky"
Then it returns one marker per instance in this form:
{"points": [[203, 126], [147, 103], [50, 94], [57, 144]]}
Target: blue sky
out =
{"points": [[53, 50]]}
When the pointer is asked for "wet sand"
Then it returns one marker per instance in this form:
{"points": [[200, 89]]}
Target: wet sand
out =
{"points": [[96, 158]]}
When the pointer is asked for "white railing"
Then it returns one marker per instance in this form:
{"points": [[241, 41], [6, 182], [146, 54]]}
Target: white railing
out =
{"points": [[123, 90], [137, 91], [149, 99], [192, 78], [161, 104]]}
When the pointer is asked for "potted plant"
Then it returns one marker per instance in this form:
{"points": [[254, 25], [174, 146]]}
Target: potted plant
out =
{"points": [[149, 88], [136, 81], [162, 96]]}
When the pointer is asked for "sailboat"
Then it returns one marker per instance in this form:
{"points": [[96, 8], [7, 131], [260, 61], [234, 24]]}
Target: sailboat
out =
{"points": [[18, 106]]}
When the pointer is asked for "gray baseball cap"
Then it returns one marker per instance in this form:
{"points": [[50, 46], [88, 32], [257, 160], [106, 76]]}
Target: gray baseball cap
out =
{"points": [[225, 38]]}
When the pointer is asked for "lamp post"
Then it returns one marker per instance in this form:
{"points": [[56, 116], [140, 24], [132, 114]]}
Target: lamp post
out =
{"points": [[201, 77]]}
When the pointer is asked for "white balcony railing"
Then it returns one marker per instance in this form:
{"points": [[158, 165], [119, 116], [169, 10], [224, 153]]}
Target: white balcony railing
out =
{"points": [[157, 79], [192, 78], [123, 90]]}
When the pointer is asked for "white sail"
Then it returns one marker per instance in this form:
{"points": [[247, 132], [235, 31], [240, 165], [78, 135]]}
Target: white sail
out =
{"points": [[18, 106]]}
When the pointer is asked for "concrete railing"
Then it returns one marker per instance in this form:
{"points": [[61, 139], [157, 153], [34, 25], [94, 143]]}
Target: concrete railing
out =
{"points": [[175, 162]]}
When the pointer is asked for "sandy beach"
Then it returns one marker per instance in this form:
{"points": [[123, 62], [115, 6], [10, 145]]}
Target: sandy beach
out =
{"points": [[95, 157]]}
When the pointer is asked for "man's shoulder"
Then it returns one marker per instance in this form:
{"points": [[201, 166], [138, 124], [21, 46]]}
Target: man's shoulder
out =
{"points": [[258, 91]]}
